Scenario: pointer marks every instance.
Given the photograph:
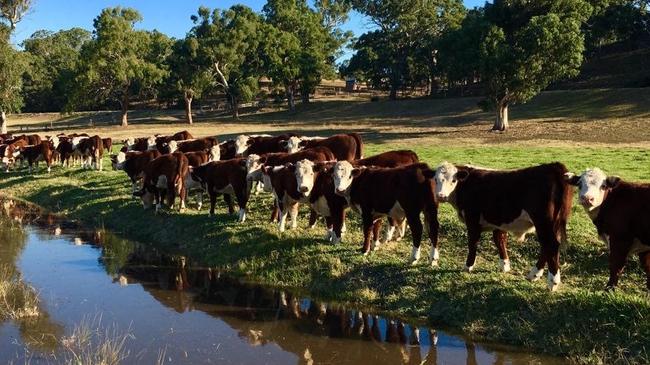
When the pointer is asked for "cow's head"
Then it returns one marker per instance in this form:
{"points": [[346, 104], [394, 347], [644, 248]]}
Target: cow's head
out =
{"points": [[343, 174], [594, 186], [172, 146], [54, 142], [305, 176], [117, 161], [293, 144], [128, 143], [146, 195], [242, 142], [267, 171], [215, 153], [447, 177], [151, 143], [254, 163]]}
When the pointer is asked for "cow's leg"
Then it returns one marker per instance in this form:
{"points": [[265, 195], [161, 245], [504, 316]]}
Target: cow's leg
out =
{"points": [[242, 195], [338, 222], [283, 210], [401, 230], [313, 218], [294, 215], [213, 199], [229, 202], [433, 226], [644, 259], [618, 250], [390, 229], [182, 193], [473, 236], [199, 199], [330, 235], [376, 230], [367, 220], [275, 213], [500, 239], [413, 218], [550, 248]]}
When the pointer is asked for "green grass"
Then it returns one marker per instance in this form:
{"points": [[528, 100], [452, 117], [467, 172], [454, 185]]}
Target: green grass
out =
{"points": [[581, 321]]}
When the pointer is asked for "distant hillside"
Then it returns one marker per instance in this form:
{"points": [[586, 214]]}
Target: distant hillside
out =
{"points": [[612, 70]]}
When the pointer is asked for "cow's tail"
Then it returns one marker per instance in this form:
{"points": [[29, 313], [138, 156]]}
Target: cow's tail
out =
{"points": [[357, 138], [563, 200]]}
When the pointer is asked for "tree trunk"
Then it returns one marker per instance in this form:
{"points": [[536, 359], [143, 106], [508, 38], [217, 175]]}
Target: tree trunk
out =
{"points": [[501, 122], [393, 93], [188, 109], [290, 100], [305, 97], [234, 104], [3, 122], [125, 111]]}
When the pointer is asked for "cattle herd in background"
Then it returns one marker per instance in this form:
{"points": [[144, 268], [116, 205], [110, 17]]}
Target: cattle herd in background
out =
{"points": [[330, 175]]}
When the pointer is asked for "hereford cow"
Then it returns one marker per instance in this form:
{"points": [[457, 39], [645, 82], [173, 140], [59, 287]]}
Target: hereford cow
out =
{"points": [[92, 153], [619, 210], [11, 152], [326, 203], [260, 144], [163, 180], [108, 144], [193, 145], [133, 163], [196, 159], [346, 147], [400, 193], [163, 141], [139, 144], [255, 162], [43, 151], [534, 199], [224, 177], [32, 139]]}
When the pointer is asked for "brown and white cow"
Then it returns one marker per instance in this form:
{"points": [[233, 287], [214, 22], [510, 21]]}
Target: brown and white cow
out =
{"points": [[11, 152], [224, 177], [346, 147], [43, 151], [326, 203], [260, 144], [400, 193], [197, 159], [32, 139], [534, 199], [163, 180], [163, 141], [92, 153], [193, 145], [620, 211], [108, 144], [134, 164], [139, 144], [281, 181]]}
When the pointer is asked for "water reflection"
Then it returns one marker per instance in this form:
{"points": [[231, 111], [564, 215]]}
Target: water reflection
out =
{"points": [[202, 316]]}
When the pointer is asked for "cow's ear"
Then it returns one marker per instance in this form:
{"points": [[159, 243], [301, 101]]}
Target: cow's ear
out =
{"points": [[612, 181], [572, 179], [461, 175], [356, 172]]}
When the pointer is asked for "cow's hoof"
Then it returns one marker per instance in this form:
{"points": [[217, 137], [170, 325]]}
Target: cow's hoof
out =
{"points": [[375, 245], [534, 274], [414, 262], [469, 268], [434, 263], [504, 265], [553, 281], [365, 252]]}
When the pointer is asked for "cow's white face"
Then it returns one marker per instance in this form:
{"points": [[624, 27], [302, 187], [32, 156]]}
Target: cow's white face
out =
{"points": [[342, 176], [446, 180], [215, 153], [128, 143], [593, 187], [293, 144], [118, 162], [173, 146], [151, 143], [147, 200], [305, 176], [253, 163], [55, 142], [241, 144]]}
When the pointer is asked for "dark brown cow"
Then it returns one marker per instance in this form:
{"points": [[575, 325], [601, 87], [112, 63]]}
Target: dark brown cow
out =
{"points": [[138, 144], [163, 180], [65, 150], [92, 153], [620, 212], [193, 145], [326, 203], [43, 151], [400, 193], [162, 141], [534, 199], [32, 139], [261, 144], [108, 144], [197, 159], [134, 163], [346, 147], [224, 177], [228, 149]]}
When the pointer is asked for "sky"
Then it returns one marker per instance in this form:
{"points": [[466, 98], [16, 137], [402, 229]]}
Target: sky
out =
{"points": [[171, 17]]}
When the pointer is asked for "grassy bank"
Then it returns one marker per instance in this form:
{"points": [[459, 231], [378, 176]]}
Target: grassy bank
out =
{"points": [[581, 320]]}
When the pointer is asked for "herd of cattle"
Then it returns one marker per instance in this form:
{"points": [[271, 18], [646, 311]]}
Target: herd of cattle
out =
{"points": [[331, 175]]}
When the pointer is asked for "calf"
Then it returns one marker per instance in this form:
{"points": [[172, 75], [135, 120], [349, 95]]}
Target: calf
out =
{"points": [[400, 193], [163, 180], [534, 199], [282, 182], [346, 147], [43, 151], [163, 141], [260, 144], [224, 177], [194, 145], [619, 210], [134, 163], [138, 144], [108, 144], [92, 152], [11, 152]]}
